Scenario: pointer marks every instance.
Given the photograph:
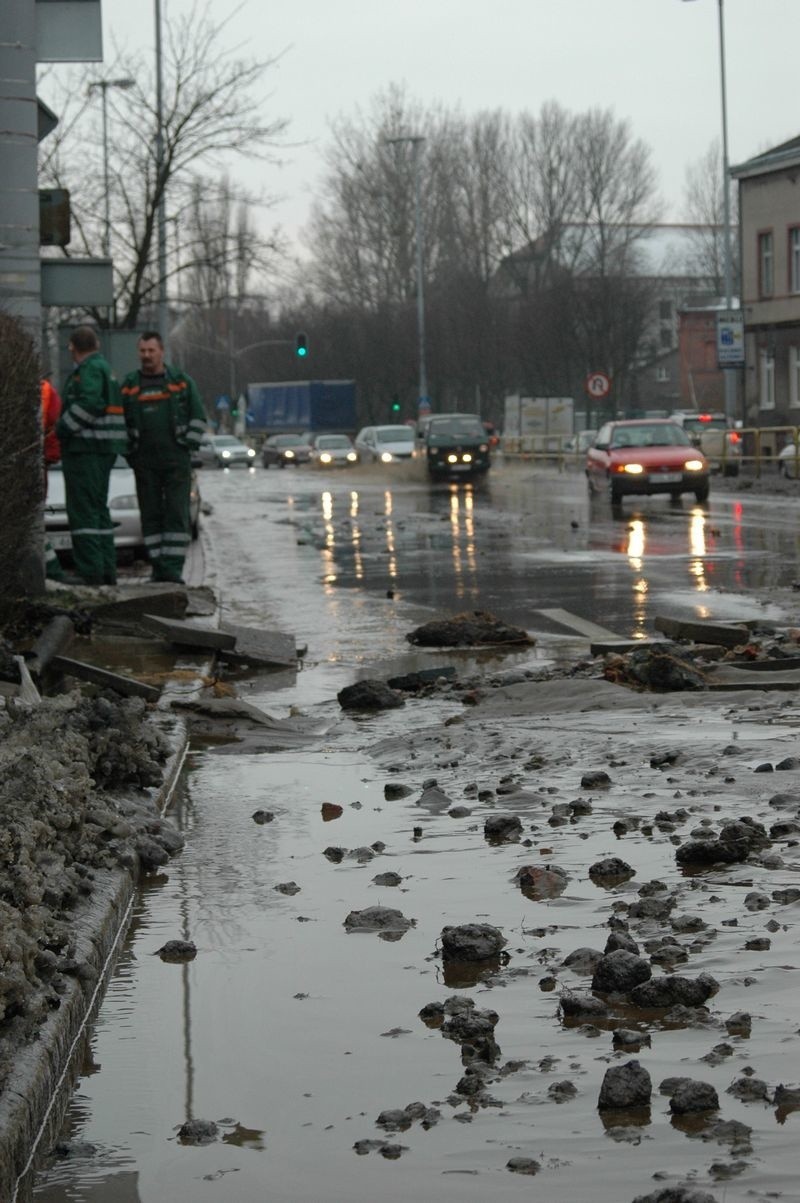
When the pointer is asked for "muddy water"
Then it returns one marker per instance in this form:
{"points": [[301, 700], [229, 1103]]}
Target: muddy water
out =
{"points": [[292, 1034]]}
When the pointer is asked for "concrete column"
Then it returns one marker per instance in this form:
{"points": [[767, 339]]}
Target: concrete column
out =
{"points": [[20, 287]]}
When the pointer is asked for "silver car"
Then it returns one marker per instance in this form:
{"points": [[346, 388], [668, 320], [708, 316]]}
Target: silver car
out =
{"points": [[225, 451], [385, 444], [332, 451], [122, 503]]}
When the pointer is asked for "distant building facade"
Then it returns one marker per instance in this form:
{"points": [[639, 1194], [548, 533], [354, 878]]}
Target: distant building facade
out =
{"points": [[769, 208]]}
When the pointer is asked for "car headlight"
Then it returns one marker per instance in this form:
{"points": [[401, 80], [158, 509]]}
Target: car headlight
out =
{"points": [[288, 455], [386, 457], [484, 447], [694, 465], [126, 501], [226, 455], [467, 458], [634, 469], [351, 455], [250, 452], [452, 459], [325, 458]]}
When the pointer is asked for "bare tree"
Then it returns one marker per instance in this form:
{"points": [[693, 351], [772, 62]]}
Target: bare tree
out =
{"points": [[704, 207], [211, 112]]}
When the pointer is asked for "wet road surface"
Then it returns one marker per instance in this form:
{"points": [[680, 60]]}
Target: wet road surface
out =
{"points": [[292, 1034]]}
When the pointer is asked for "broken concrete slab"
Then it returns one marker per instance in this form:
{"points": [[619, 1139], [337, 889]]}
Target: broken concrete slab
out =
{"points": [[250, 728], [132, 604], [728, 635], [255, 646], [186, 634], [128, 686], [730, 676], [620, 647], [54, 639]]}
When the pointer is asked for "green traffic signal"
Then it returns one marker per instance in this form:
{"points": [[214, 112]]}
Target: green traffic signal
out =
{"points": [[301, 346]]}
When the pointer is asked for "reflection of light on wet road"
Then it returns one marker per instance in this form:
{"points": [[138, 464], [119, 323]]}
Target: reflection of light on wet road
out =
{"points": [[390, 543], [354, 504], [462, 520], [697, 547], [329, 550], [636, 544], [738, 542]]}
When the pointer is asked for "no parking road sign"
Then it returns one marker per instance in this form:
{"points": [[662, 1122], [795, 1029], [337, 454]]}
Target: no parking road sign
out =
{"points": [[597, 385]]}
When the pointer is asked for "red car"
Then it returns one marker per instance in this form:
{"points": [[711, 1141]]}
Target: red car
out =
{"points": [[643, 456]]}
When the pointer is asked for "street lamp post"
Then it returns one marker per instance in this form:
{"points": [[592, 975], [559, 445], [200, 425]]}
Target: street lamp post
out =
{"points": [[728, 374], [417, 141], [161, 219], [104, 85]]}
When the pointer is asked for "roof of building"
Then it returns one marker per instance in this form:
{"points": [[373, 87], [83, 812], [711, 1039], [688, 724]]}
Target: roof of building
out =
{"points": [[785, 155]]}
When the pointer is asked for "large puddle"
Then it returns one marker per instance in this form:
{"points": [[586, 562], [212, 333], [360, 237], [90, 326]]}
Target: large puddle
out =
{"points": [[293, 1034]]}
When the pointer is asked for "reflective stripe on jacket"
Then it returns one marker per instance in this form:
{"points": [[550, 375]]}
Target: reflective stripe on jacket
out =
{"points": [[92, 418], [186, 416]]}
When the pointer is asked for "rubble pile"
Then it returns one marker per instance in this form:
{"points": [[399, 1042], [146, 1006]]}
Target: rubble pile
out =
{"points": [[59, 828]]}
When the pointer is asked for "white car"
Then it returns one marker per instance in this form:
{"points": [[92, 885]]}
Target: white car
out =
{"points": [[225, 451], [385, 444], [122, 503], [333, 451]]}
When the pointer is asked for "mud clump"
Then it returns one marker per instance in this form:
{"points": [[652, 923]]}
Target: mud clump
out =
{"points": [[618, 972], [467, 630], [472, 942], [625, 1087], [502, 829], [540, 882], [523, 1165], [378, 919], [177, 951], [369, 695], [198, 1132], [611, 871], [677, 1194], [674, 991]]}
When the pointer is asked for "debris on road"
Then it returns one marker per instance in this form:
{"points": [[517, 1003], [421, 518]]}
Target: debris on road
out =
{"points": [[469, 629]]}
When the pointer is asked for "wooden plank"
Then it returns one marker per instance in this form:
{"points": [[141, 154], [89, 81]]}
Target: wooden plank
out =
{"points": [[254, 646], [128, 686], [186, 634], [727, 634]]}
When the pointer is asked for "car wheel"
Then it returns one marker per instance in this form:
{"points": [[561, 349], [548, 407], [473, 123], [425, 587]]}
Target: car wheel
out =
{"points": [[675, 495], [281, 463], [264, 462], [614, 493], [220, 464], [701, 493]]}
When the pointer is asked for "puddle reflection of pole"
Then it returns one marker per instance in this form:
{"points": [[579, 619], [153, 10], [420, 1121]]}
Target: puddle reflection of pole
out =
{"points": [[183, 907]]}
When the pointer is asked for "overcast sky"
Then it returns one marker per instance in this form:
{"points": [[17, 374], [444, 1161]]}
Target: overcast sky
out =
{"points": [[655, 62]]}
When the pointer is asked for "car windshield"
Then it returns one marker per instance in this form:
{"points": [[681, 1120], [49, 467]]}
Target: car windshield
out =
{"points": [[650, 434], [465, 427], [394, 434], [287, 440], [332, 441], [226, 440]]}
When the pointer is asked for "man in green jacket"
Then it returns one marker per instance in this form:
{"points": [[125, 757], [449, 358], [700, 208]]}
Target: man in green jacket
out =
{"points": [[91, 431], [165, 421]]}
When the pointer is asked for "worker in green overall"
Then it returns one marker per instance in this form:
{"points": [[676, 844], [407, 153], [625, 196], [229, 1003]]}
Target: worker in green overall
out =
{"points": [[166, 421], [91, 431]]}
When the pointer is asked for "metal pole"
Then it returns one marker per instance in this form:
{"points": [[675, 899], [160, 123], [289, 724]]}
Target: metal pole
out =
{"points": [[103, 85], [729, 374], [163, 315], [423, 377]]}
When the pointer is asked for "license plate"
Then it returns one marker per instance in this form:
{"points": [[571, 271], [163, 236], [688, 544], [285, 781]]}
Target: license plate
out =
{"points": [[60, 542], [460, 467], [666, 478]]}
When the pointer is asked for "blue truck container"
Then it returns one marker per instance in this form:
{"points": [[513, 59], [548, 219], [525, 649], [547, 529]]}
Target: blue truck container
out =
{"points": [[298, 405]]}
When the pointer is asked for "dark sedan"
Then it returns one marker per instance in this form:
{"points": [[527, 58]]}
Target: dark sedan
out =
{"points": [[644, 456], [283, 449]]}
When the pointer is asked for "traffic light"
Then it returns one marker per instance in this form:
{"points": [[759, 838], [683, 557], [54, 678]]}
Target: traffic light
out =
{"points": [[395, 405], [301, 346]]}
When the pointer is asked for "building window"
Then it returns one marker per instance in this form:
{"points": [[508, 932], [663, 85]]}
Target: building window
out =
{"points": [[794, 260], [766, 380], [662, 375], [665, 311], [666, 339], [794, 376], [766, 281]]}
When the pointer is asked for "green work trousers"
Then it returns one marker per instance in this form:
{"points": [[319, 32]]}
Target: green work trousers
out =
{"points": [[86, 476], [162, 486]]}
